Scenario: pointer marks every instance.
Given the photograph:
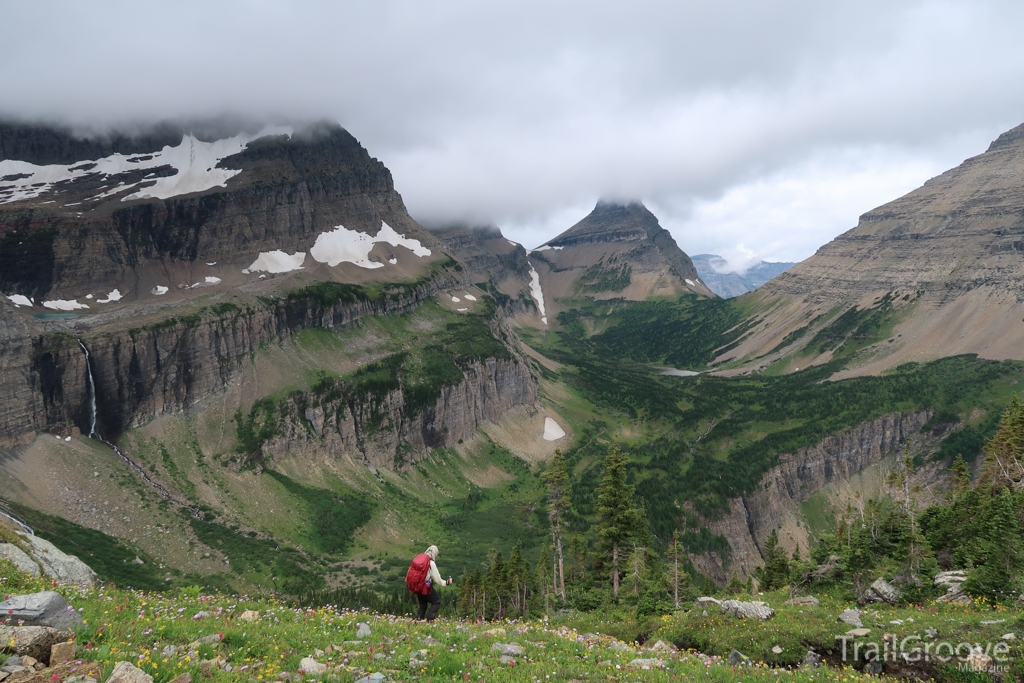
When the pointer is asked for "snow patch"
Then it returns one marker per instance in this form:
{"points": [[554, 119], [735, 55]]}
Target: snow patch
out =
{"points": [[277, 261], [675, 372], [546, 247], [469, 297], [213, 280], [212, 264], [158, 290], [114, 295], [392, 260], [88, 296], [64, 305], [194, 161], [19, 300], [537, 293], [552, 430], [456, 299], [689, 281], [514, 244], [461, 310], [342, 245]]}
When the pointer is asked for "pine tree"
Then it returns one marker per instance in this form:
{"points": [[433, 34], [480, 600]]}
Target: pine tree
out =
{"points": [[516, 573], [1000, 555], [621, 519], [775, 572], [494, 581], [675, 553], [735, 586], [578, 555], [542, 576], [959, 479], [1004, 452], [557, 479]]}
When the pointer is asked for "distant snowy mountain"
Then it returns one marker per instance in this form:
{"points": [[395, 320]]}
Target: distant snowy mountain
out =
{"points": [[713, 271]]}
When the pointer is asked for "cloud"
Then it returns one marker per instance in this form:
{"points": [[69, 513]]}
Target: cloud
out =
{"points": [[733, 119]]}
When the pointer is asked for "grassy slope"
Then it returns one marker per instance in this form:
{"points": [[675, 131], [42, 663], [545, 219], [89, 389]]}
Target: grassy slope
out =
{"points": [[137, 627]]}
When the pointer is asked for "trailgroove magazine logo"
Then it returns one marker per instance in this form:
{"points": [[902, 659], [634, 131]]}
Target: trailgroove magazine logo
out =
{"points": [[971, 656]]}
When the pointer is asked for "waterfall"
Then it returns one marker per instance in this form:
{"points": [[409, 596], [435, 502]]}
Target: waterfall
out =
{"points": [[93, 434], [91, 384]]}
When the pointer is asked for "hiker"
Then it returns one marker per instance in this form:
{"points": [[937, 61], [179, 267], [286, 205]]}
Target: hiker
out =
{"points": [[423, 580]]}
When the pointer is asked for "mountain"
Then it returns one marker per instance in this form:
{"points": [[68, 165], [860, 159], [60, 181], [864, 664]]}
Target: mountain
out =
{"points": [[713, 270], [618, 251], [937, 272]]}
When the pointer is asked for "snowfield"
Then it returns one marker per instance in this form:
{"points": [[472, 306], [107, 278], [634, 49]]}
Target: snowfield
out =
{"points": [[277, 261], [194, 161], [537, 293], [552, 430], [19, 300], [115, 295], [64, 305], [342, 245]]}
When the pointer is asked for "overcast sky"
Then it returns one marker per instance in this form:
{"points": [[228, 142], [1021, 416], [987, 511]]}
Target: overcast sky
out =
{"points": [[752, 129]]}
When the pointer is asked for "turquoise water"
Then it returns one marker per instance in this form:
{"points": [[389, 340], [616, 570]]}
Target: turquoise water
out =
{"points": [[56, 316]]}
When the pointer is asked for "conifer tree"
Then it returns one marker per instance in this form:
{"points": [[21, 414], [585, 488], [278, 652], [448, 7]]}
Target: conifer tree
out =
{"points": [[578, 555], [516, 574], [543, 577], [960, 479], [735, 586], [775, 572], [621, 519], [1004, 452], [675, 553], [557, 479]]}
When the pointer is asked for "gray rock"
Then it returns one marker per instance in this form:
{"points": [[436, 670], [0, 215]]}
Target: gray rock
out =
{"points": [[364, 630], [737, 658], [22, 562], [128, 673], [34, 641], [84, 679], [1008, 636], [874, 668], [652, 663], [812, 659], [747, 610], [513, 649], [858, 632], [371, 678], [56, 564], [882, 591], [619, 646], [431, 640], [806, 600], [705, 602], [662, 646], [851, 617], [415, 663], [505, 659], [169, 651], [311, 666], [931, 632], [45, 608]]}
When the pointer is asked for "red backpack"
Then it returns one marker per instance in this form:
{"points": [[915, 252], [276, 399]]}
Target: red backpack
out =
{"points": [[416, 577]]}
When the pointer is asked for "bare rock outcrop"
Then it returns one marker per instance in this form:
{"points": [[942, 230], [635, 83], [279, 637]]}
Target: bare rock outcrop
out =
{"points": [[771, 505]]}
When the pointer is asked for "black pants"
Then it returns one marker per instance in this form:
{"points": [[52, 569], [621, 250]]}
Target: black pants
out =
{"points": [[432, 599]]}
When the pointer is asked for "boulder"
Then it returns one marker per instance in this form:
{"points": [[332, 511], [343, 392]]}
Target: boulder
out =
{"points": [[512, 649], [858, 632], [652, 663], [56, 564], [311, 666], [806, 600], [249, 615], [180, 678], [21, 561], [363, 631], [706, 602], [662, 646], [45, 608], [812, 659], [747, 610], [851, 617], [882, 591], [34, 641], [372, 678], [62, 652], [737, 658], [125, 672]]}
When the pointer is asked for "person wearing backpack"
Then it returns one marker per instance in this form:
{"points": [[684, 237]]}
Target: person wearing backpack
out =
{"points": [[423, 580]]}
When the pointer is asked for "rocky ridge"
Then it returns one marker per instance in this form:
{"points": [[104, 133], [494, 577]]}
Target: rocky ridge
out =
{"points": [[952, 248]]}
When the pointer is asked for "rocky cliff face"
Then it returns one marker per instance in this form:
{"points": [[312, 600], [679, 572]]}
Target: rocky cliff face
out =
{"points": [[775, 502], [386, 432], [91, 232], [952, 247], [166, 366]]}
